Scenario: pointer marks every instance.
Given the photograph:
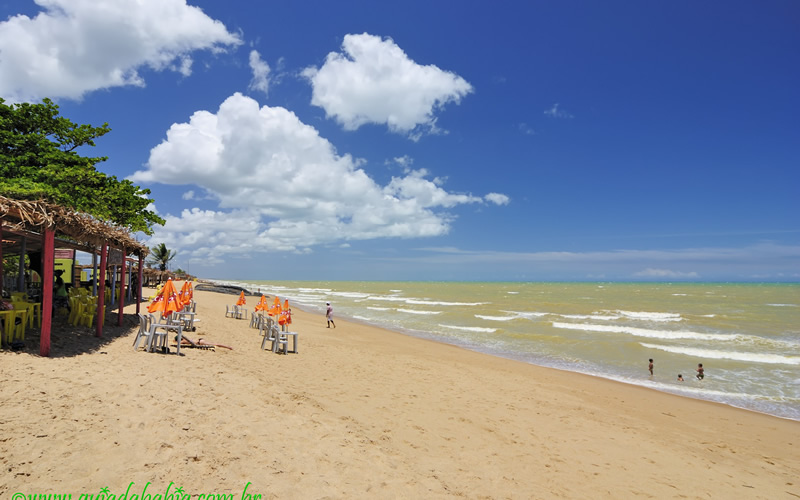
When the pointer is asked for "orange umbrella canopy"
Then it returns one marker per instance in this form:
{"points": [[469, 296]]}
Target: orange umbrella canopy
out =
{"points": [[185, 295], [276, 307], [167, 301], [262, 304], [241, 300], [286, 314]]}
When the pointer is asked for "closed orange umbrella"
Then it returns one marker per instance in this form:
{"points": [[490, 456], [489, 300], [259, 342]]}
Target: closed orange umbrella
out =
{"points": [[167, 301], [262, 304], [184, 295], [286, 314], [276, 307], [241, 300]]}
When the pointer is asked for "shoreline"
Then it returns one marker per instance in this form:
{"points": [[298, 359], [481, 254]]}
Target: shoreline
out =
{"points": [[365, 412], [667, 386]]}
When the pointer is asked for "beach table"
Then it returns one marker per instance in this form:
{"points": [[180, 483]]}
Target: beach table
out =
{"points": [[294, 336]]}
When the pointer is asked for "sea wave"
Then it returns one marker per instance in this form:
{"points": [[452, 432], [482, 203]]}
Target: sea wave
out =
{"points": [[782, 305], [644, 332], [412, 311], [589, 316], [386, 298], [734, 355], [379, 308], [651, 316], [496, 318], [527, 315], [439, 303], [470, 328]]}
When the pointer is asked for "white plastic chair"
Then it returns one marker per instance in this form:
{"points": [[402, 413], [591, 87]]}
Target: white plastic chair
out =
{"points": [[144, 331]]}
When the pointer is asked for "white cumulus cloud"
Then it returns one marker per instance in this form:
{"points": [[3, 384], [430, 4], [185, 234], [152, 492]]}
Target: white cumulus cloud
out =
{"points": [[373, 81], [76, 46], [282, 187]]}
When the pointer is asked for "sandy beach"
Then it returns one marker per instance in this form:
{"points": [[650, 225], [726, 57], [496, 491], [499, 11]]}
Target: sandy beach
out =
{"points": [[361, 412]]}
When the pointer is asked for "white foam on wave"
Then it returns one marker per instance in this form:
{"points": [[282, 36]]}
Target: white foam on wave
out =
{"points": [[644, 332], [527, 315], [378, 308], [439, 303], [513, 293], [734, 355], [496, 318], [470, 328], [387, 298], [651, 316], [412, 311], [351, 295], [782, 305], [589, 316]]}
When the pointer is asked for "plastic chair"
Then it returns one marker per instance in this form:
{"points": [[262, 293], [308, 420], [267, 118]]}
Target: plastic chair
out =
{"points": [[144, 331]]}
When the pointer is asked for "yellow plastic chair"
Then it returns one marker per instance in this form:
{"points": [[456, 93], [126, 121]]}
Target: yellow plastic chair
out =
{"points": [[19, 296], [88, 314]]}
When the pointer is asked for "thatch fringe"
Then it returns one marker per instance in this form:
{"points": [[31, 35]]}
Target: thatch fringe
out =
{"points": [[78, 226]]}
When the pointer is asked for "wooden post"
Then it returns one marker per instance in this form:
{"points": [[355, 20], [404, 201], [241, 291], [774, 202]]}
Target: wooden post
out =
{"points": [[21, 277], [48, 258], [101, 294], [121, 288], [1, 260], [139, 283], [94, 273]]}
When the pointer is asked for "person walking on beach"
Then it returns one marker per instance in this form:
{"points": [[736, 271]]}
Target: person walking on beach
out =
{"points": [[329, 315], [700, 371], [650, 367]]}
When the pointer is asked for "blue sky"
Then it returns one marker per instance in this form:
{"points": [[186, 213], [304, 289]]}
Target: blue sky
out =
{"points": [[574, 140]]}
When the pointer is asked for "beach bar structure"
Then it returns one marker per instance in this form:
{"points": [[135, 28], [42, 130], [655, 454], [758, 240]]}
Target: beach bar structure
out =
{"points": [[37, 226]]}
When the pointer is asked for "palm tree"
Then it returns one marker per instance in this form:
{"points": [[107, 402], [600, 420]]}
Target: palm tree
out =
{"points": [[161, 255]]}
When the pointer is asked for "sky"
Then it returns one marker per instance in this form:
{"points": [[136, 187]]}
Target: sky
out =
{"points": [[446, 140]]}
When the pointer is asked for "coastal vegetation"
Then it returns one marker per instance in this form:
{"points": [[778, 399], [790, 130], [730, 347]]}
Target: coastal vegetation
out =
{"points": [[39, 160]]}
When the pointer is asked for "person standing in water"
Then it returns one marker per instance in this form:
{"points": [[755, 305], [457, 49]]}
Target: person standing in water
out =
{"points": [[329, 315], [700, 371], [650, 367]]}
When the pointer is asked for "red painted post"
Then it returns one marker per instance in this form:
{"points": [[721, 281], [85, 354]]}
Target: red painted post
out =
{"points": [[1, 259], [121, 287], [48, 262], [138, 284], [101, 293]]}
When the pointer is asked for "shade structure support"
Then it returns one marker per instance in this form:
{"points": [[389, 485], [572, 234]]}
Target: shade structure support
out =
{"points": [[48, 261], [101, 295], [121, 288], [139, 284]]}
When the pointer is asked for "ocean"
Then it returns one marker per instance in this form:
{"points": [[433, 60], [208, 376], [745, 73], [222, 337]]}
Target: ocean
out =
{"points": [[746, 335]]}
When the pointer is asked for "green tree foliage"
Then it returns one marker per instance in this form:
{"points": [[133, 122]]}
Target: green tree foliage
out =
{"points": [[160, 255], [38, 161]]}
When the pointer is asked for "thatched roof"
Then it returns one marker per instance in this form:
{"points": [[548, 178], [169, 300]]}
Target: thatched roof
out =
{"points": [[83, 229]]}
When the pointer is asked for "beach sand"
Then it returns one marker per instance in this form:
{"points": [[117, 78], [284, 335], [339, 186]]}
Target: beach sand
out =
{"points": [[361, 412]]}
